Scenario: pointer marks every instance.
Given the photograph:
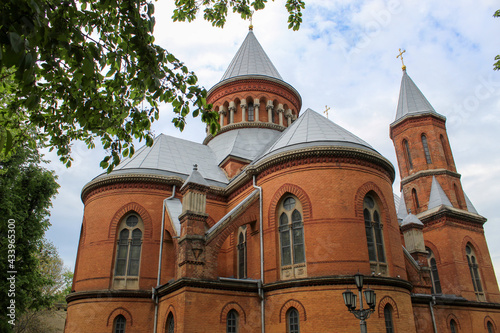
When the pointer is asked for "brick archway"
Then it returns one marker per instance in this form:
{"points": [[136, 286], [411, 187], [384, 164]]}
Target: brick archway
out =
{"points": [[449, 318], [293, 304], [383, 302], [120, 311], [170, 309], [299, 193], [360, 196], [132, 206], [232, 306]]}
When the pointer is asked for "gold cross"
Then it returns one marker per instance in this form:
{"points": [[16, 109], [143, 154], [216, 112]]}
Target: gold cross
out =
{"points": [[326, 111], [401, 55]]}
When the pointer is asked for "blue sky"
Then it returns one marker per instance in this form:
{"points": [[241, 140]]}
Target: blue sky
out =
{"points": [[344, 56]]}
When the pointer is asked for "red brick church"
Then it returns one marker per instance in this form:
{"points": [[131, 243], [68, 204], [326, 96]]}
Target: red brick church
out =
{"points": [[262, 227]]}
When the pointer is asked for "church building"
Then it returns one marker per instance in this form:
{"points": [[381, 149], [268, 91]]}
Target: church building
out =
{"points": [[262, 227]]}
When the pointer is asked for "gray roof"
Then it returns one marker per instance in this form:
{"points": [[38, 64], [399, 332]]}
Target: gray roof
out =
{"points": [[411, 99], [195, 178], [470, 206], [411, 219], [251, 59], [245, 143], [401, 207], [437, 196], [174, 209], [170, 156], [312, 129]]}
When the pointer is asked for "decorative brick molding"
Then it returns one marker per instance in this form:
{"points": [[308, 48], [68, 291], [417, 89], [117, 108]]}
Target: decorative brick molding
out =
{"points": [[383, 302], [296, 191], [232, 306], [170, 309], [489, 319], [434, 250], [449, 318], [360, 196], [120, 311], [475, 247], [293, 304], [135, 207]]}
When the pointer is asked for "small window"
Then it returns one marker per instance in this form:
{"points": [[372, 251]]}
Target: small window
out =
{"points": [[474, 272], [251, 111], [408, 154], [170, 323], [232, 322], [374, 234], [292, 319], [389, 326], [453, 326], [445, 149], [242, 253], [426, 149], [436, 284], [414, 196], [490, 328], [120, 323]]}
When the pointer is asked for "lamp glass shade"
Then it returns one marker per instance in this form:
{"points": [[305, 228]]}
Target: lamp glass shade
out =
{"points": [[353, 306], [370, 297], [348, 298], [358, 279]]}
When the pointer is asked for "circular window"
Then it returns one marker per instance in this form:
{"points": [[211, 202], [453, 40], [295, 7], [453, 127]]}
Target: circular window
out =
{"points": [[289, 203], [132, 221]]}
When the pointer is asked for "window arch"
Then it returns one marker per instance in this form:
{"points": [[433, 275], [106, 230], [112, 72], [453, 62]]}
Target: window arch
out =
{"points": [[474, 272], [431, 260], [251, 111], [426, 149], [170, 326], [453, 326], [389, 325], [374, 235], [490, 327], [414, 196], [292, 321], [119, 325], [291, 234], [457, 195], [232, 322], [406, 147], [128, 252], [445, 150], [242, 253]]}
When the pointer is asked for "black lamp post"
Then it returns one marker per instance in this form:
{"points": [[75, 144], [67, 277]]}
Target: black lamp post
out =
{"points": [[350, 302]]}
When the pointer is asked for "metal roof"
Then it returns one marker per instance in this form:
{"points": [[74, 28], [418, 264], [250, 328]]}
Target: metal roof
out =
{"points": [[437, 196], [411, 219], [174, 209], [470, 206], [251, 59], [411, 99], [312, 129], [402, 212]]}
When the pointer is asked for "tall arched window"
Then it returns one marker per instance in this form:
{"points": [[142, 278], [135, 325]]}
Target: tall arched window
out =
{"points": [[374, 235], [406, 147], [426, 149], [474, 272], [490, 328], [251, 111], [414, 196], [119, 326], [232, 322], [170, 326], [128, 253], [453, 326], [291, 232], [292, 321], [445, 149], [242, 253], [431, 260], [389, 326], [457, 195]]}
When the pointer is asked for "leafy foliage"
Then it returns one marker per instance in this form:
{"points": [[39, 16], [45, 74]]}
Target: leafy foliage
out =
{"points": [[496, 65], [26, 190], [90, 70]]}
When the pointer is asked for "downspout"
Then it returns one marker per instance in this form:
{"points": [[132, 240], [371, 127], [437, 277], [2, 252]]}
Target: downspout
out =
{"points": [[155, 290], [431, 303], [261, 238]]}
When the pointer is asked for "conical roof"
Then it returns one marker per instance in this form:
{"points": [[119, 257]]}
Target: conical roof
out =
{"points": [[411, 99], [251, 59], [437, 196]]}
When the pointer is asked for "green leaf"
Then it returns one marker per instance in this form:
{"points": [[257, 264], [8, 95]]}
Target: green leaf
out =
{"points": [[16, 42]]}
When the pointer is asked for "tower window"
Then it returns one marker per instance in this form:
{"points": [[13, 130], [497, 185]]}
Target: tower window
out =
{"points": [[389, 326], [128, 253], [291, 234], [232, 322], [453, 326], [490, 328], [445, 150], [242, 253], [120, 323], [436, 284], [414, 196], [170, 323], [374, 235], [474, 272], [251, 112], [408, 154], [292, 321], [426, 149]]}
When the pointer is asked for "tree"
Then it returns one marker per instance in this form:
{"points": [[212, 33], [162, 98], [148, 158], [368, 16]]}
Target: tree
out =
{"points": [[26, 190], [87, 70], [496, 65]]}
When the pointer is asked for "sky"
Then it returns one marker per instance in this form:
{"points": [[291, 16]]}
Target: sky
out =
{"points": [[344, 57]]}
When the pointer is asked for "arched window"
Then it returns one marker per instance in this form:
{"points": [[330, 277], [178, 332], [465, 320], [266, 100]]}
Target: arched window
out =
{"points": [[291, 231], [119, 326], [389, 326], [242, 253], [457, 195], [431, 260], [408, 154], [170, 326], [251, 112], [426, 149], [445, 149], [474, 272], [232, 322], [292, 321], [453, 326], [414, 196], [490, 328], [374, 235], [128, 253]]}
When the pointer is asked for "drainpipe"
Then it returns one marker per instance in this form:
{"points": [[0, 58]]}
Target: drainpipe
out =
{"points": [[261, 238], [431, 303], [155, 290]]}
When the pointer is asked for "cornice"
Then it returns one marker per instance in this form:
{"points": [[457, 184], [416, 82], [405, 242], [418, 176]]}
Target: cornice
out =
{"points": [[245, 124], [107, 293], [451, 300], [416, 117], [428, 173], [459, 215]]}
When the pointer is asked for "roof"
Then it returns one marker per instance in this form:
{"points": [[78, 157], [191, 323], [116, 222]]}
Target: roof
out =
{"points": [[312, 129], [170, 156], [437, 196], [195, 178], [402, 212], [470, 206], [411, 219], [251, 59], [174, 209], [411, 100]]}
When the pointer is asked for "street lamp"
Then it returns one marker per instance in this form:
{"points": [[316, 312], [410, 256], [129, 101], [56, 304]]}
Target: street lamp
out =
{"points": [[350, 302]]}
